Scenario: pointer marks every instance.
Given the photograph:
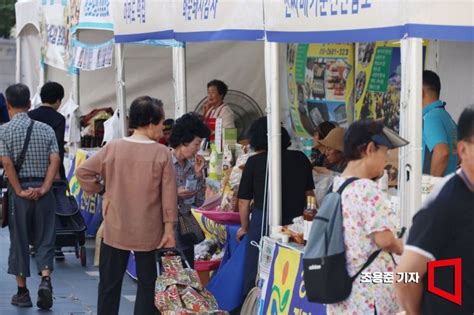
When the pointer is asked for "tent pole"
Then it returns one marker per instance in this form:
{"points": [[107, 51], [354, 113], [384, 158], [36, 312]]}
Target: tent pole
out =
{"points": [[268, 111], [179, 80], [120, 86], [18, 59], [274, 135], [410, 164]]}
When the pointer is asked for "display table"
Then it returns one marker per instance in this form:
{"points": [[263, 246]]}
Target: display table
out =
{"points": [[89, 205], [281, 281]]}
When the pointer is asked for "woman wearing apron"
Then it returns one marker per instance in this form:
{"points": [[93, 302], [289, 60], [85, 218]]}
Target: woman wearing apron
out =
{"points": [[216, 108]]}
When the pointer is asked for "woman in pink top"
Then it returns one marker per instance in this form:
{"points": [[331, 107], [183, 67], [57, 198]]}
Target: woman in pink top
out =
{"points": [[139, 206]]}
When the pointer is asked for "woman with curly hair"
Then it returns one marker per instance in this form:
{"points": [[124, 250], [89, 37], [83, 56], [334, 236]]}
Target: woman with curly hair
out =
{"points": [[186, 136]]}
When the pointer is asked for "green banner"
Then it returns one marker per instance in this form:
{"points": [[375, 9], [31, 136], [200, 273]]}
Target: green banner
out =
{"points": [[300, 65], [380, 70]]}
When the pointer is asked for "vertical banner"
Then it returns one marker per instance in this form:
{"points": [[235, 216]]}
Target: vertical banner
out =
{"points": [[378, 83], [55, 33], [283, 291], [89, 205], [320, 84]]}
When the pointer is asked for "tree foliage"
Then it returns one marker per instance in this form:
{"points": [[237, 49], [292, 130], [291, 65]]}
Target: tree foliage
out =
{"points": [[7, 17]]}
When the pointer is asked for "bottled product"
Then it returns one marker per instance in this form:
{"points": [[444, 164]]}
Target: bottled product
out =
{"points": [[308, 216]]}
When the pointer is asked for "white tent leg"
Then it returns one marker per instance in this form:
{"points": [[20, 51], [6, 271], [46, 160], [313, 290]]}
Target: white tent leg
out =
{"points": [[268, 111], [179, 81], [18, 60], [411, 128], [274, 134], [120, 86], [76, 90]]}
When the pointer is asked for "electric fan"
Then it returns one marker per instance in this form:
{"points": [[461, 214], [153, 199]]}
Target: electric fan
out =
{"points": [[246, 110]]}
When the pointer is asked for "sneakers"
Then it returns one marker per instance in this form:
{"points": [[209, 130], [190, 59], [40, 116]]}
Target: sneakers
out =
{"points": [[45, 294], [22, 300]]}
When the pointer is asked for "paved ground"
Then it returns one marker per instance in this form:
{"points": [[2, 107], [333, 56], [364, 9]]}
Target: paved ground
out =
{"points": [[74, 286]]}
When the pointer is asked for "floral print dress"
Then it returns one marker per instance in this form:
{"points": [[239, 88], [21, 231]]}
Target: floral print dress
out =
{"points": [[365, 212]]}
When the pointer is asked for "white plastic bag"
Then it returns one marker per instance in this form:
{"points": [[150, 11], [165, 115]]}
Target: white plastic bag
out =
{"points": [[69, 110], [112, 128]]}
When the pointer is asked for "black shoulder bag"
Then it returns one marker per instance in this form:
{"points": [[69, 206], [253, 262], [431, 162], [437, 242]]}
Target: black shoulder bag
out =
{"points": [[19, 163]]}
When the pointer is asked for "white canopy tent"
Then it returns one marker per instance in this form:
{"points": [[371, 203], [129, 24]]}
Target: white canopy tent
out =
{"points": [[373, 20], [309, 22]]}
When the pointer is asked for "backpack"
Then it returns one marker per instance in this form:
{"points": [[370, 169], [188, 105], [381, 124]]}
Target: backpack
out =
{"points": [[324, 261]]}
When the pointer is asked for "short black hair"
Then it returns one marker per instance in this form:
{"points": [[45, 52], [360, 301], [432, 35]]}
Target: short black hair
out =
{"points": [[51, 92], [220, 85], [258, 135], [358, 136], [145, 110], [169, 122], [18, 96], [324, 128], [466, 124], [186, 128], [431, 81]]}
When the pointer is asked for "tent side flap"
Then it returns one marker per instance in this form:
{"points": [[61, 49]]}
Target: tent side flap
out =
{"points": [[27, 13]]}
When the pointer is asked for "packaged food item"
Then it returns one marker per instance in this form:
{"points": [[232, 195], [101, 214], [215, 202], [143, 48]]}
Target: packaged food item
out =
{"points": [[308, 216], [228, 158], [215, 164]]}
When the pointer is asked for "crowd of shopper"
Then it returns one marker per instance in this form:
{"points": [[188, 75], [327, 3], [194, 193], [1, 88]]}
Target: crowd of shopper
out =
{"points": [[151, 179]]}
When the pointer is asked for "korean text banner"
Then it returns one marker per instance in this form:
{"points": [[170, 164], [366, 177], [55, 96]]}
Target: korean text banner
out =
{"points": [[139, 20], [89, 205], [333, 21], [205, 20], [337, 21], [91, 14], [55, 34]]}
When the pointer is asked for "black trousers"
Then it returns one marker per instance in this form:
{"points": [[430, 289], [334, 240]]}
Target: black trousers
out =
{"points": [[113, 263], [251, 256]]}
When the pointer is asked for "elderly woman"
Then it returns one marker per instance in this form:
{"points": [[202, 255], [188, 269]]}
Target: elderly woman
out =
{"points": [[215, 107], [368, 223], [322, 130], [333, 148], [297, 183], [185, 139], [137, 175]]}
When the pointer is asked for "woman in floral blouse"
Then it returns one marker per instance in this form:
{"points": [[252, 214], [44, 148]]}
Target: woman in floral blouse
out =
{"points": [[368, 223], [185, 139]]}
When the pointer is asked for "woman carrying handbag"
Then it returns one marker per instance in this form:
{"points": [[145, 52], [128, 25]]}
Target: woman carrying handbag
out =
{"points": [[186, 136]]}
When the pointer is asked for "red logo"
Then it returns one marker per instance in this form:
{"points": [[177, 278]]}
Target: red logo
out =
{"points": [[457, 264]]}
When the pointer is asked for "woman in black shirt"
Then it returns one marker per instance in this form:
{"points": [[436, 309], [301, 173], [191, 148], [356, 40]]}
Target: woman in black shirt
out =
{"points": [[297, 183]]}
